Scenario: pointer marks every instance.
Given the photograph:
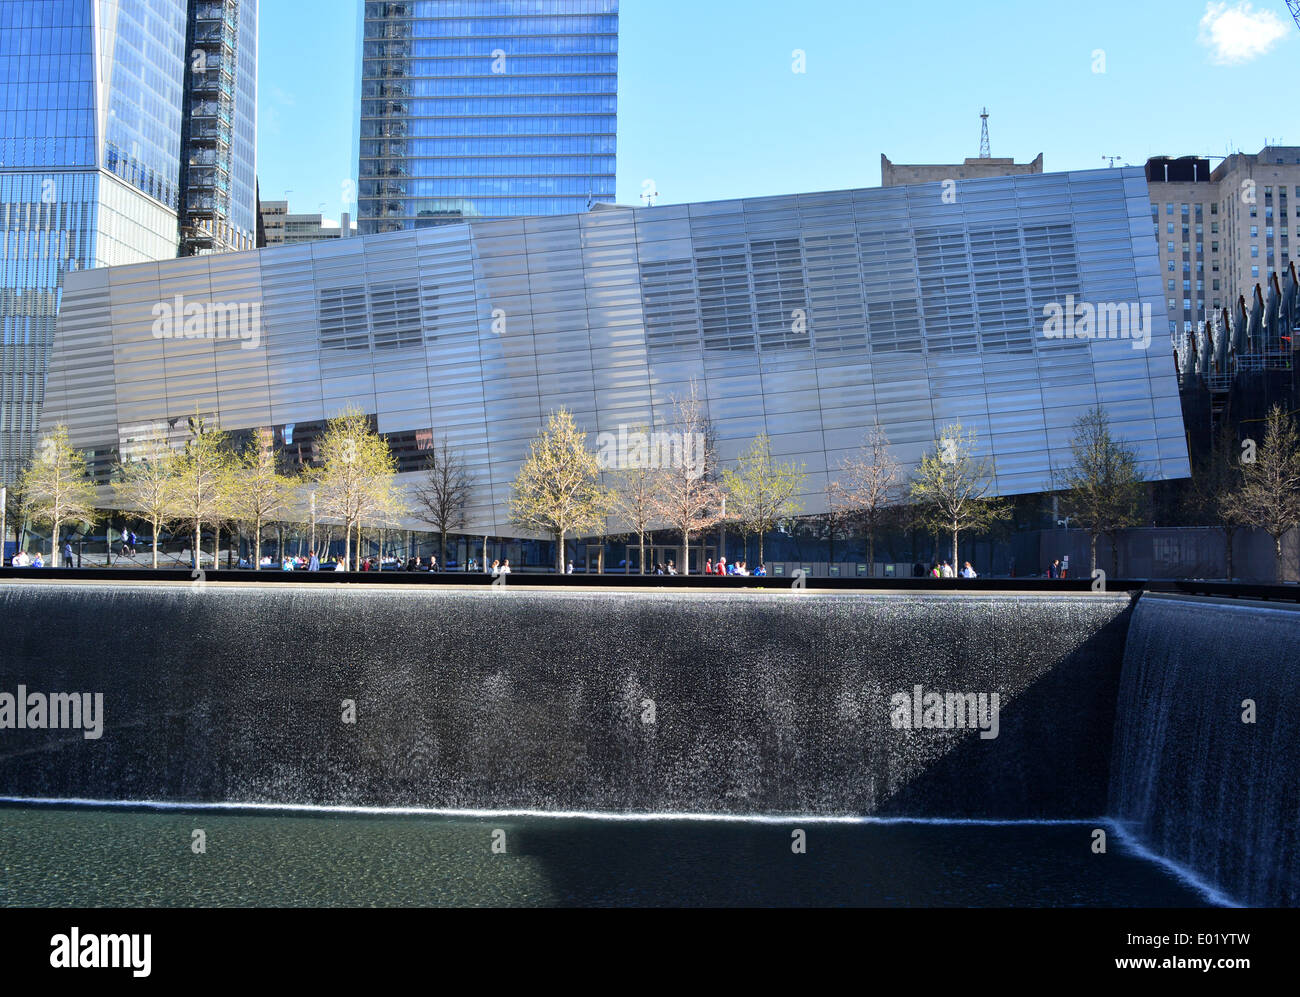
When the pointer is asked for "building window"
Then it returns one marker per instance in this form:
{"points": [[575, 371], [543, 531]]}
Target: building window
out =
{"points": [[342, 319], [1254, 271]]}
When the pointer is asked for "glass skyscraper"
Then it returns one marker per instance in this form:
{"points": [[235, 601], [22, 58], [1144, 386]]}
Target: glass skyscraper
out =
{"points": [[91, 99], [485, 108]]}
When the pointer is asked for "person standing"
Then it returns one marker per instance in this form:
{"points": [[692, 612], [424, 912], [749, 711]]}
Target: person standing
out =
{"points": [[967, 571], [313, 562]]}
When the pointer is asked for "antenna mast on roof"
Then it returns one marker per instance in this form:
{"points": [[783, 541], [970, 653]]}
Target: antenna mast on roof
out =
{"points": [[984, 134]]}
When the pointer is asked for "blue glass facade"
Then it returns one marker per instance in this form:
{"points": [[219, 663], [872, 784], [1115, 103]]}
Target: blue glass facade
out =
{"points": [[90, 161], [142, 128], [485, 108]]}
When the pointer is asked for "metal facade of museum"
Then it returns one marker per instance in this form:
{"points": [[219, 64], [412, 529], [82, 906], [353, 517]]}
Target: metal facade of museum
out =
{"points": [[809, 317]]}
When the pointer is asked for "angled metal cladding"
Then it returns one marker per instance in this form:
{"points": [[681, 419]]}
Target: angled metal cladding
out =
{"points": [[920, 310]]}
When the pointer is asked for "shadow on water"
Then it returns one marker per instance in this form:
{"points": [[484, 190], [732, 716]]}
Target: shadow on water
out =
{"points": [[1022, 772], [107, 857]]}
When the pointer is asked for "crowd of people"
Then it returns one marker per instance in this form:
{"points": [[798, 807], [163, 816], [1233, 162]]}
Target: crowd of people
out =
{"points": [[945, 570], [723, 567]]}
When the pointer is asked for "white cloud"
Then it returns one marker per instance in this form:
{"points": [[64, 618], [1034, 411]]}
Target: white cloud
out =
{"points": [[1238, 33]]}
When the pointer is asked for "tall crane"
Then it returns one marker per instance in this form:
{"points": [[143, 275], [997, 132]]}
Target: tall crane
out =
{"points": [[1294, 7]]}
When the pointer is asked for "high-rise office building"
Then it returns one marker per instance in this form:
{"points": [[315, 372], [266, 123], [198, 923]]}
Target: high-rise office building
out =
{"points": [[485, 108], [284, 227], [91, 112], [1221, 231], [219, 136]]}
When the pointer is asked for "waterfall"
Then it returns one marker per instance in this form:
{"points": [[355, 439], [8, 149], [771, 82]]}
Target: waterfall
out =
{"points": [[610, 701], [1191, 779]]}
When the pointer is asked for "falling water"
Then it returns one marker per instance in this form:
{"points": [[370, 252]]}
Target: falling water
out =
{"points": [[741, 703], [1207, 744]]}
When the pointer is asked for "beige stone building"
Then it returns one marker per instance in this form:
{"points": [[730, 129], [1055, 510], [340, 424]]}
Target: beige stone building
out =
{"points": [[893, 174], [283, 227], [1223, 230]]}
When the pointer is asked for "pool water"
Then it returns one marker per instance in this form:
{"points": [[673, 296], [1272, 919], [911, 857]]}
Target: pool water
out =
{"points": [[75, 856]]}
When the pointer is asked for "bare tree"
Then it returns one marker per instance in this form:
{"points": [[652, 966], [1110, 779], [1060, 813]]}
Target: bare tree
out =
{"points": [[258, 491], [57, 486], [442, 493], [763, 491], [1215, 479], [688, 499], [1269, 494], [355, 481], [634, 496], [868, 483], [954, 487], [1104, 485], [202, 481], [146, 481], [557, 490]]}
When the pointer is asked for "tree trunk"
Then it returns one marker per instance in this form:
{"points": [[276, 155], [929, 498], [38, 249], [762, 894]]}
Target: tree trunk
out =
{"points": [[760, 546], [257, 545], [1227, 551], [559, 553], [641, 536], [154, 524], [1277, 571], [871, 550], [1114, 555], [686, 552], [197, 552], [347, 545], [442, 561], [1092, 547], [54, 545], [954, 550]]}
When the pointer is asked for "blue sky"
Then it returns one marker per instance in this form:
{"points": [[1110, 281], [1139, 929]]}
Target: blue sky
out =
{"points": [[709, 106]]}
